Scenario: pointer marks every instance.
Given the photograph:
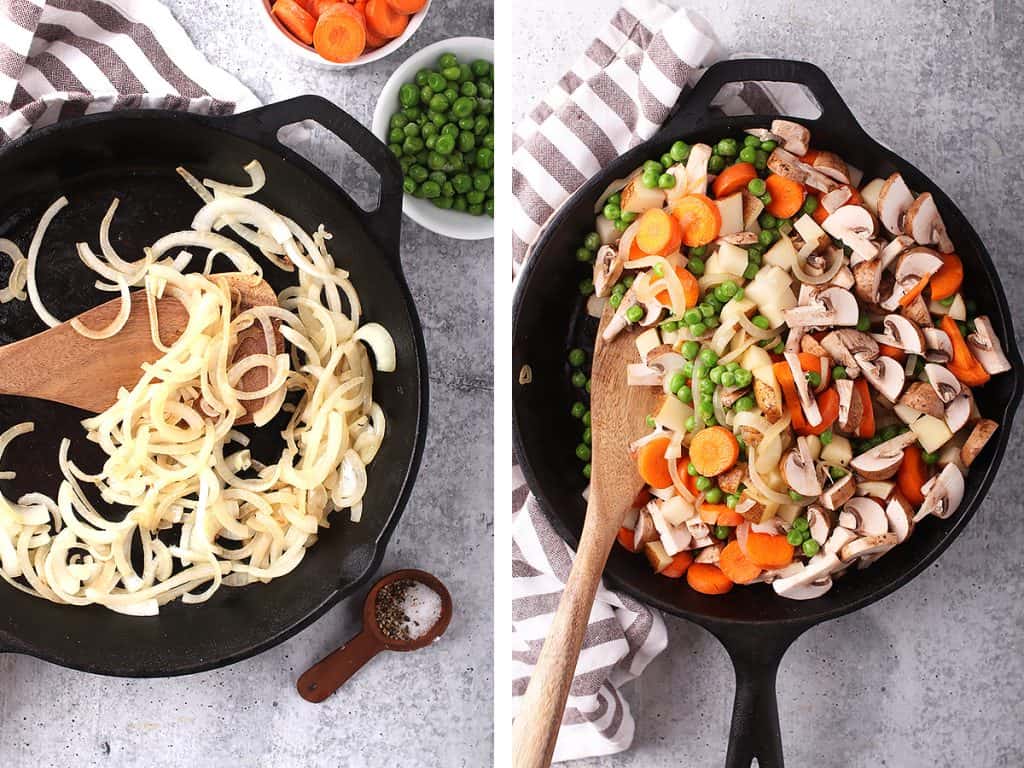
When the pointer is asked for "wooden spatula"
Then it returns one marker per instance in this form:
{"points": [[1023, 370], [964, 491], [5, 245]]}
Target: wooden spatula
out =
{"points": [[617, 414], [61, 365]]}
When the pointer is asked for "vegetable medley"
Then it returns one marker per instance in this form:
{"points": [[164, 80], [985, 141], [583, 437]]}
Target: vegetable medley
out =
{"points": [[817, 357]]}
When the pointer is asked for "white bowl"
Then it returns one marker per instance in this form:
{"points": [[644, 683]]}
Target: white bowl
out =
{"points": [[461, 226], [285, 38]]}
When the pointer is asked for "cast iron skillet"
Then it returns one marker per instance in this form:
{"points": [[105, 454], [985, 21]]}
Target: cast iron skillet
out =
{"points": [[132, 155], [755, 625]]}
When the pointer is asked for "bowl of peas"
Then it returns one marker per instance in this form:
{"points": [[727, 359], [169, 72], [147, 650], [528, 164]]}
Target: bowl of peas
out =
{"points": [[436, 114]]}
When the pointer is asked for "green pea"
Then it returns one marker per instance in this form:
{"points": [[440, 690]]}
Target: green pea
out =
{"points": [[794, 537], [676, 383], [679, 151], [634, 313], [691, 347], [745, 403], [586, 284], [863, 323], [649, 179], [748, 155], [666, 181], [703, 483], [716, 164], [698, 329]]}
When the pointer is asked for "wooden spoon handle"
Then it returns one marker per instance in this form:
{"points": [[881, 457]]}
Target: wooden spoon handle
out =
{"points": [[335, 669], [536, 728]]}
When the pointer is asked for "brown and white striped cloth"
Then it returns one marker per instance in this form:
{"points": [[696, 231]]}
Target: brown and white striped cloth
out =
{"points": [[616, 96], [67, 58]]}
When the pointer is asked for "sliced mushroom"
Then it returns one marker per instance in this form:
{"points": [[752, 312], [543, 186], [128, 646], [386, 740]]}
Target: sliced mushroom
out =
{"points": [[903, 333], [958, 412], [768, 400], [882, 461], [807, 401], [819, 523], [867, 280], [869, 545], [884, 374], [921, 396], [979, 436], [900, 514], [855, 226], [799, 470], [795, 137], [644, 531], [851, 409], [607, 269], [832, 306], [838, 539], [813, 581], [946, 385], [838, 494], [923, 222], [942, 494], [894, 199], [832, 165], [917, 311], [864, 516], [986, 346], [938, 347], [844, 345], [812, 346]]}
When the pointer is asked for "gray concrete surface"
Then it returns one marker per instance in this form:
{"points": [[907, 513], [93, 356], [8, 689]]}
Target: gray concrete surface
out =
{"points": [[428, 709], [933, 675]]}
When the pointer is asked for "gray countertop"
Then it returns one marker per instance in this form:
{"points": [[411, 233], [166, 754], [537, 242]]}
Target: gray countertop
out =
{"points": [[934, 674], [427, 709]]}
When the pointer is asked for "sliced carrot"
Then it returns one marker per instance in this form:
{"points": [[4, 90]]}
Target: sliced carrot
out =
{"points": [[964, 365], [708, 579], [769, 550], [658, 232], [787, 196], [733, 179], [408, 7], [946, 282], [625, 538], [914, 292], [679, 565], [383, 20], [714, 450], [897, 354], [735, 565], [340, 33], [700, 219], [650, 462], [296, 19], [867, 421], [912, 474], [691, 289]]}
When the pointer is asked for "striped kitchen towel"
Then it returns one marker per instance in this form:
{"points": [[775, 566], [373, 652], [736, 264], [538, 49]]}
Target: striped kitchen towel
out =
{"points": [[616, 96], [67, 58]]}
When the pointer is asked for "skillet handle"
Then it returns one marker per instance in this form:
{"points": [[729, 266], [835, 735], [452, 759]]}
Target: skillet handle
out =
{"points": [[693, 110], [262, 125], [755, 715]]}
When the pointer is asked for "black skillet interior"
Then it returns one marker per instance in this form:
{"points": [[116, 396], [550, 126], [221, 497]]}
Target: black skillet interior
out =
{"points": [[755, 625], [132, 156]]}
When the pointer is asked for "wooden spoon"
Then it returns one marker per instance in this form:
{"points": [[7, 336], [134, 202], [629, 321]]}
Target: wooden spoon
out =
{"points": [[617, 414], [61, 365]]}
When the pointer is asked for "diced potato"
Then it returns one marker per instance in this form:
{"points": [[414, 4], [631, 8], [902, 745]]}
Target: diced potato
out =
{"points": [[647, 341], [907, 415], [731, 259], [931, 432], [869, 194], [673, 414], [657, 556], [782, 254], [755, 357], [839, 451], [676, 511], [731, 208], [636, 198]]}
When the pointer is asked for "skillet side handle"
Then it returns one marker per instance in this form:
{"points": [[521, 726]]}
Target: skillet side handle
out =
{"points": [[262, 125], [693, 110], [755, 715]]}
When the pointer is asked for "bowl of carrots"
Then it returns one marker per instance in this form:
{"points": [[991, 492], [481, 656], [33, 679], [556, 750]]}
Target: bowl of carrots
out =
{"points": [[344, 33]]}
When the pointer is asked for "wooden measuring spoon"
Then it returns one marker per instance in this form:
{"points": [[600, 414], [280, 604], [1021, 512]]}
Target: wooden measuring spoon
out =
{"points": [[61, 365], [334, 670], [617, 413]]}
